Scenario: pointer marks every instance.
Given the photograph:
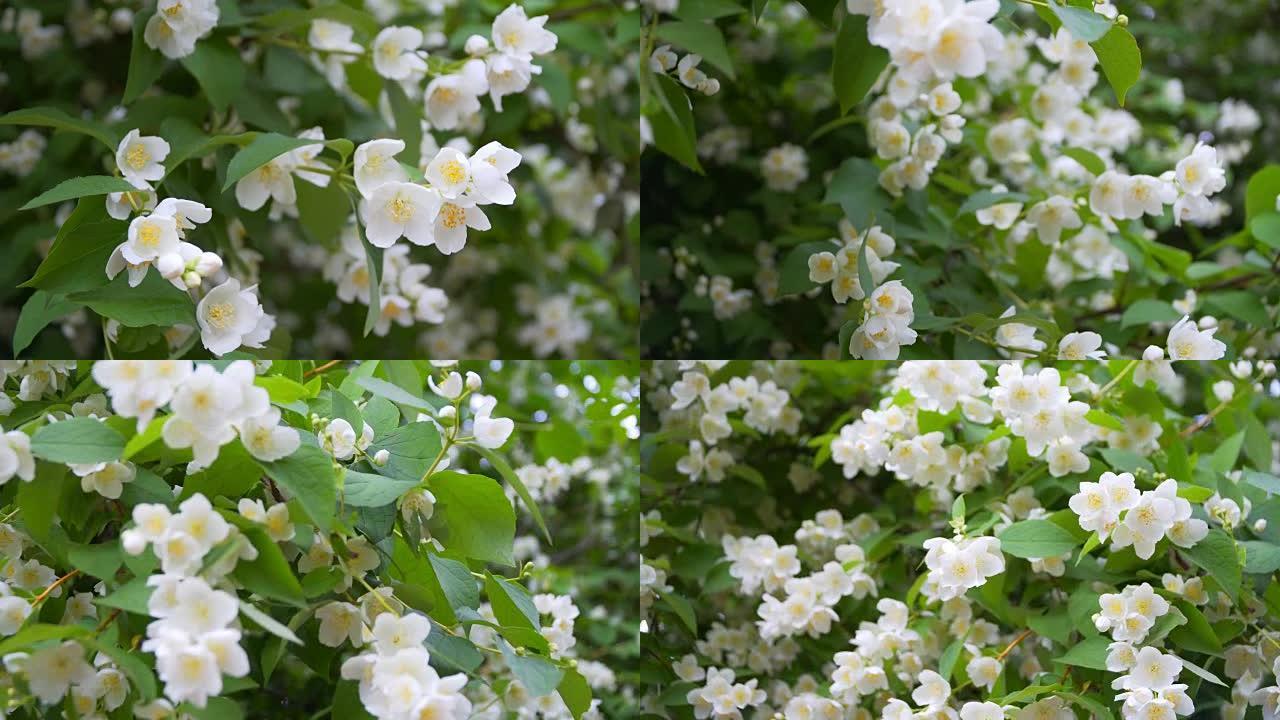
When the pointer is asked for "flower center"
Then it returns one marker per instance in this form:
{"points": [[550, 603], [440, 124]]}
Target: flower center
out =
{"points": [[452, 216], [149, 235], [137, 157], [220, 315], [401, 210], [454, 172]]}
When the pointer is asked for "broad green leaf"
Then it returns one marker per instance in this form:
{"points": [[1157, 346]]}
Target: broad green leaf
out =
{"points": [[394, 393], [101, 560], [1241, 305], [145, 64], [78, 258], [539, 675], [1261, 557], [1216, 554], [1036, 539], [457, 652], [1088, 159], [575, 692], [457, 582], [1089, 653], [480, 521], [504, 469], [1084, 24], [29, 636], [408, 117], [139, 673], [1148, 312], [38, 312], [708, 9], [219, 70], [60, 120], [360, 489], [1261, 192], [702, 38], [155, 301], [77, 440], [855, 186], [511, 603], [264, 148], [308, 476], [558, 439], [1121, 60], [673, 127], [856, 63], [412, 449], [269, 574], [131, 597], [79, 187]]}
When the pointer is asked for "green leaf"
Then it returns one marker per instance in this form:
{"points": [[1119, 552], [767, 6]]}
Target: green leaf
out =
{"points": [[794, 276], [1147, 312], [373, 266], [703, 38], [140, 675], [361, 489], [308, 477], [673, 128], [856, 63], [1200, 672], [1084, 24], [1266, 228], [539, 675], [575, 692], [145, 65], [394, 393], [268, 623], [481, 523], [511, 604], [100, 561], [1088, 159], [1216, 554], [323, 211], [1242, 305], [1089, 653], [282, 390], [1197, 634], [1103, 419], [855, 186], [269, 574], [77, 440], [1121, 60], [458, 652], [31, 635], [457, 582], [408, 117], [38, 311], [131, 597], [264, 148], [231, 475], [1261, 557], [155, 301], [219, 70], [59, 120], [412, 449], [504, 469], [79, 187], [1261, 192], [820, 10], [78, 258], [39, 499], [947, 663], [1036, 539], [1263, 481], [558, 439]]}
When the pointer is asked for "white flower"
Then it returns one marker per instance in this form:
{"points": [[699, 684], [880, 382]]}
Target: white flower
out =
{"points": [[150, 236], [395, 53], [140, 158], [1108, 194], [520, 36], [338, 439], [108, 481], [449, 173], [392, 634], [1152, 670], [490, 432], [932, 691], [273, 180], [16, 457], [1081, 346], [266, 439], [14, 611], [1052, 216], [178, 24], [963, 42], [340, 621], [1200, 173], [1017, 339], [452, 221], [230, 317], [51, 671], [490, 166], [1186, 342], [449, 100], [450, 389], [375, 165], [401, 209]]}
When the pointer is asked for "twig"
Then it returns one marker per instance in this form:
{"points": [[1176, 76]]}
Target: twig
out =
{"points": [[321, 368], [40, 598], [1009, 648]]}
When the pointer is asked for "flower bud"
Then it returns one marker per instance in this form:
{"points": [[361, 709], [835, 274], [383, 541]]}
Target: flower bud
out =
{"points": [[208, 263], [1260, 526], [191, 278], [473, 381], [381, 457], [477, 45], [133, 542], [170, 266]]}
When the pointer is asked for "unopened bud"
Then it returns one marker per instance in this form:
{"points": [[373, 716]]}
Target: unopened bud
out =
{"points": [[381, 457], [170, 265], [473, 381], [191, 278], [1122, 21], [477, 45], [208, 263]]}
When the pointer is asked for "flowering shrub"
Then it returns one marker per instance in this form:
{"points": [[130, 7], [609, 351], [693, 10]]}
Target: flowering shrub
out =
{"points": [[296, 539], [961, 539], [948, 179], [173, 165]]}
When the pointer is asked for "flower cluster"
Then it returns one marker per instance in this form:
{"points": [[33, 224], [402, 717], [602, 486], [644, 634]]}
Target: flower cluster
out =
{"points": [[664, 60], [960, 564], [396, 680], [178, 24], [1114, 508]]}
